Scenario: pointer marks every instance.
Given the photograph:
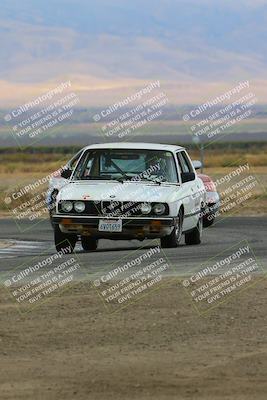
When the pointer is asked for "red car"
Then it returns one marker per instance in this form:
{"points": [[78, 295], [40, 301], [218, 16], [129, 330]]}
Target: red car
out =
{"points": [[213, 200]]}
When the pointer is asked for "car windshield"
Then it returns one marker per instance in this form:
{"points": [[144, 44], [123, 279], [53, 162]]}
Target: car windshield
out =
{"points": [[127, 164]]}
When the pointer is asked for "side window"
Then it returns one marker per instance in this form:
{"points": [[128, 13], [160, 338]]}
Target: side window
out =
{"points": [[179, 162], [88, 168], [86, 165], [184, 162], [187, 161]]}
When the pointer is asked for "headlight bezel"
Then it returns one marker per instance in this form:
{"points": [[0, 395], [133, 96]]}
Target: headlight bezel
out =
{"points": [[63, 206], [75, 206], [163, 210], [149, 209]]}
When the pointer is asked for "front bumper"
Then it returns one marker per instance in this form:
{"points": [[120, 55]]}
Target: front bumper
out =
{"points": [[135, 227]]}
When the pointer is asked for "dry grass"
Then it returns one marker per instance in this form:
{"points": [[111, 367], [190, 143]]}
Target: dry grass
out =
{"points": [[217, 158], [31, 163]]}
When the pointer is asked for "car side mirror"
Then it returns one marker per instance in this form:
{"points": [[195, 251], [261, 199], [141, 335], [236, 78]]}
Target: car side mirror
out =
{"points": [[197, 164], [66, 173], [188, 176]]}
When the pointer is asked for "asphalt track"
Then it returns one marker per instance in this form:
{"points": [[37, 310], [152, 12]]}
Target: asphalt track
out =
{"points": [[20, 245]]}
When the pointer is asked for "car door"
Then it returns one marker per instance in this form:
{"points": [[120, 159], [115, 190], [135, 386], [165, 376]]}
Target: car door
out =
{"points": [[189, 192]]}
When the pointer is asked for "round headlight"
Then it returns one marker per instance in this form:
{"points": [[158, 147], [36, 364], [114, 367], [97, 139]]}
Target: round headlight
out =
{"points": [[66, 206], [145, 208], [79, 206], [159, 208]]}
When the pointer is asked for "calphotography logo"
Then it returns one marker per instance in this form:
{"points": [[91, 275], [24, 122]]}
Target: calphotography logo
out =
{"points": [[36, 281], [32, 201], [223, 276], [132, 278], [124, 119], [39, 117], [218, 116]]}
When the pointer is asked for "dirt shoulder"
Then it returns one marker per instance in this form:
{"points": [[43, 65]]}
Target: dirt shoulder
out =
{"points": [[157, 348]]}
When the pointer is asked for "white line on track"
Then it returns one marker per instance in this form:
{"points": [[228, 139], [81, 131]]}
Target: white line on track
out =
{"points": [[13, 248]]}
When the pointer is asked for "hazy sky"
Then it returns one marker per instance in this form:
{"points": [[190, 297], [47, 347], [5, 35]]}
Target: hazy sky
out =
{"points": [[110, 45]]}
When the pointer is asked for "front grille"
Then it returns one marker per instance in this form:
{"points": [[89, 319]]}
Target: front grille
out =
{"points": [[113, 209], [118, 208]]}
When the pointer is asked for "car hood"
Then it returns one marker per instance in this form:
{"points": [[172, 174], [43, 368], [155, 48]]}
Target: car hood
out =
{"points": [[127, 191]]}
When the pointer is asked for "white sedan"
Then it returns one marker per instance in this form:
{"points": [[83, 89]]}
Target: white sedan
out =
{"points": [[130, 191]]}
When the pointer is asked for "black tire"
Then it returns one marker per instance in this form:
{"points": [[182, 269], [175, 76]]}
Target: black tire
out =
{"points": [[208, 221], [64, 241], [174, 238], [88, 243], [194, 236]]}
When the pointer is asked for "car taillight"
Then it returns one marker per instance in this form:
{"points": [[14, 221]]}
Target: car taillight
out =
{"points": [[210, 186]]}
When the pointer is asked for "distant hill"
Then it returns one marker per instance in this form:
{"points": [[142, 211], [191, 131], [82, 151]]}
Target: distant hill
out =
{"points": [[105, 46]]}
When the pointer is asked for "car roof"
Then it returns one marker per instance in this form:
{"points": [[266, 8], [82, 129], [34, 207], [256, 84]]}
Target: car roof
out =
{"points": [[127, 145]]}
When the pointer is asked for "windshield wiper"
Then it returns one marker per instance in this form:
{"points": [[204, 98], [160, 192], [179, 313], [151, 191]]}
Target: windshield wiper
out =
{"points": [[89, 177], [148, 178], [122, 178]]}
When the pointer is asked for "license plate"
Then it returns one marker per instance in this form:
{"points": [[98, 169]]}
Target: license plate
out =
{"points": [[107, 225]]}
